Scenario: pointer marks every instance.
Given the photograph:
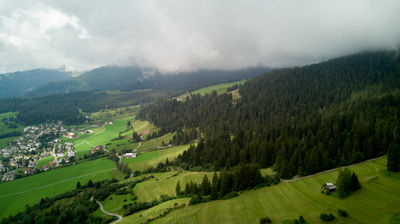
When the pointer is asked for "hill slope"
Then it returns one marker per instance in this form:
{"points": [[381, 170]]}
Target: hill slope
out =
{"points": [[133, 78], [302, 120], [19, 83]]}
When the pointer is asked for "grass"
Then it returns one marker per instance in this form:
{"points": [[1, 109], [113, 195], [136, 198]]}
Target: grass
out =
{"points": [[377, 202], [165, 183], [5, 141], [152, 144], [141, 126], [44, 161], [142, 216], [220, 88], [28, 190], [100, 136], [149, 159], [113, 114], [4, 128]]}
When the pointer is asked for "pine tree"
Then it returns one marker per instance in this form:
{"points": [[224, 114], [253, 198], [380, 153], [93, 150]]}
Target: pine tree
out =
{"points": [[178, 189], [343, 183], [90, 183], [205, 186], [187, 189], [393, 157], [215, 186], [78, 185], [355, 184]]}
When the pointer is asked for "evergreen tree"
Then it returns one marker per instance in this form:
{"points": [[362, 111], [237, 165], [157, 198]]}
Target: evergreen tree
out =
{"points": [[187, 189], [215, 186], [393, 157], [205, 186], [78, 185], [355, 184], [178, 189], [90, 183], [343, 183]]}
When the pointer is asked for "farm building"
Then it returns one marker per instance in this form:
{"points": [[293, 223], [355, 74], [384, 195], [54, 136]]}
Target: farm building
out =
{"points": [[97, 148], [329, 186], [130, 155], [72, 135]]}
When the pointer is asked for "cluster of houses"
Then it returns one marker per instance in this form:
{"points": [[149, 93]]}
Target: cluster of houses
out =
{"points": [[21, 156]]}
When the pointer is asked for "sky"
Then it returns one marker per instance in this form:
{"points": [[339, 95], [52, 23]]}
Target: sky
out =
{"points": [[185, 35]]}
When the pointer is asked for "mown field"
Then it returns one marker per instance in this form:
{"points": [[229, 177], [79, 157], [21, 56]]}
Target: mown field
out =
{"points": [[15, 194], [149, 159], [220, 88], [100, 135], [44, 161], [377, 202]]}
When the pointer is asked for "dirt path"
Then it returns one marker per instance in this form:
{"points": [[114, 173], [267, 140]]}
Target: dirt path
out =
{"points": [[326, 171], [55, 183], [109, 213]]}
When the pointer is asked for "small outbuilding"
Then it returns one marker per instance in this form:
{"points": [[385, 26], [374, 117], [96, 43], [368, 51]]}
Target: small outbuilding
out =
{"points": [[329, 187]]}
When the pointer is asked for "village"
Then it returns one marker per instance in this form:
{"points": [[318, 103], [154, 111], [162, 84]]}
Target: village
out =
{"points": [[20, 158]]}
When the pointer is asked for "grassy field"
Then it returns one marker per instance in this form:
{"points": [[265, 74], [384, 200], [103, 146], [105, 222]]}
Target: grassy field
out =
{"points": [[44, 161], [100, 136], [165, 183], [15, 194], [220, 88], [4, 129], [143, 126], [4, 141], [114, 114], [377, 202], [149, 159], [152, 144], [142, 216]]}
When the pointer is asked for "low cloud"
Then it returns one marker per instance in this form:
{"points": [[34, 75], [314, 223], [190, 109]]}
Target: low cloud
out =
{"points": [[172, 35]]}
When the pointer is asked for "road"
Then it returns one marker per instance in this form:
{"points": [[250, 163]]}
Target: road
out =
{"points": [[109, 213]]}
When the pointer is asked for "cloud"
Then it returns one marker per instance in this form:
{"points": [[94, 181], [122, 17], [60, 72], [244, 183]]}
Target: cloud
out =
{"points": [[173, 35]]}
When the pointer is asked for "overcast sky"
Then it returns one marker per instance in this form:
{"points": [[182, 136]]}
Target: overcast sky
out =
{"points": [[186, 35]]}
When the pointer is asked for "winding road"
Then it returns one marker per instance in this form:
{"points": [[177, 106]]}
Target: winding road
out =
{"points": [[109, 213]]}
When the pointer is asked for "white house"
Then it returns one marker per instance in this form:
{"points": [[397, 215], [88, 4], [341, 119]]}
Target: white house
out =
{"points": [[130, 155]]}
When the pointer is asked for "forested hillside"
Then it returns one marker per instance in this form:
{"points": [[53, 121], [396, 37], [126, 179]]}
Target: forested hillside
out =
{"points": [[134, 78], [299, 120], [19, 83]]}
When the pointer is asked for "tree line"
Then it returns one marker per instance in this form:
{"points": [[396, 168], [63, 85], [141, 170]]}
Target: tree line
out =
{"points": [[225, 185]]}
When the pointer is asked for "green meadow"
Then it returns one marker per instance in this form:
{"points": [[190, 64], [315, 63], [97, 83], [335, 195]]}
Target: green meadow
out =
{"points": [[377, 202], [220, 88], [99, 136], [149, 159], [44, 161], [4, 129], [165, 183], [142, 216], [14, 195], [5, 141]]}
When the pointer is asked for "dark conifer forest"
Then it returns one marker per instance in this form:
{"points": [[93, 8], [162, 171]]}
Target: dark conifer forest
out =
{"points": [[299, 120]]}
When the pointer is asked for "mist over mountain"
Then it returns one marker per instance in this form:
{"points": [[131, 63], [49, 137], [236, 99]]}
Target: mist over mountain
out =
{"points": [[134, 78], [20, 83]]}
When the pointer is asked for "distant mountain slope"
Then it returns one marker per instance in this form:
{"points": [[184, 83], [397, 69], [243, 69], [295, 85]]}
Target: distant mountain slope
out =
{"points": [[19, 83], [134, 78]]}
